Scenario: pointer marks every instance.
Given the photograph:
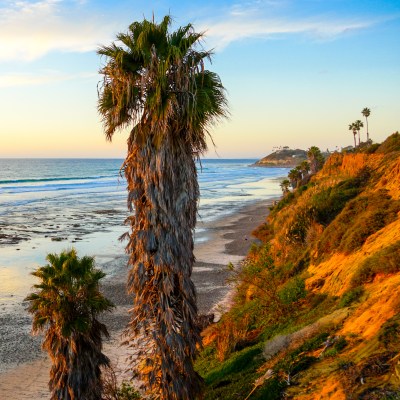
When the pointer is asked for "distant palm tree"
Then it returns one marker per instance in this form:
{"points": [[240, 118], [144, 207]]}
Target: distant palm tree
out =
{"points": [[285, 186], [305, 168], [352, 128], [294, 176], [357, 126], [366, 112], [155, 83], [65, 306], [315, 158]]}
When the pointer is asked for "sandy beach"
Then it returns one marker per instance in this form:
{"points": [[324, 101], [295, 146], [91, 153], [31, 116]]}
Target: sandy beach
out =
{"points": [[227, 240]]}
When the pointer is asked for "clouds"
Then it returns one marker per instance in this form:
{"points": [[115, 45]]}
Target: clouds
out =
{"points": [[30, 30], [244, 25]]}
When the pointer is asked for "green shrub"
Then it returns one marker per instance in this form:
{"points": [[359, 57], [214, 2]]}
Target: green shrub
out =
{"points": [[286, 200], [297, 230], [372, 148], [264, 232], [389, 334], [332, 352], [302, 189], [351, 296], [113, 391], [294, 290], [340, 343], [385, 261], [345, 364], [297, 360], [232, 378], [292, 268], [127, 392], [271, 390], [314, 343]]}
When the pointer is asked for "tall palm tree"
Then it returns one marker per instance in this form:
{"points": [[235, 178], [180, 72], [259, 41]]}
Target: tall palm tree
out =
{"points": [[156, 84], [366, 112], [352, 128], [66, 305]]}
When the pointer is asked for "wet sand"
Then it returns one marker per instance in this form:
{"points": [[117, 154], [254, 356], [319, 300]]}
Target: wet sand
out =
{"points": [[228, 240]]}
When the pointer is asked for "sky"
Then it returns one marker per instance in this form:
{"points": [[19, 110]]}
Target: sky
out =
{"points": [[297, 72]]}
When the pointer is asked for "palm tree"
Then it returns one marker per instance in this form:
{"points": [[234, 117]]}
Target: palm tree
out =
{"points": [[315, 158], [66, 305], [155, 83], [352, 128], [366, 112], [285, 186], [294, 176], [305, 168], [357, 126]]}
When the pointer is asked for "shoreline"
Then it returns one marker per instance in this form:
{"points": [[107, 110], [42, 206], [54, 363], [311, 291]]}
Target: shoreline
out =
{"points": [[228, 240]]}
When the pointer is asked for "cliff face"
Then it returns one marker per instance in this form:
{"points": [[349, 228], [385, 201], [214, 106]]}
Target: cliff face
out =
{"points": [[283, 158], [317, 310]]}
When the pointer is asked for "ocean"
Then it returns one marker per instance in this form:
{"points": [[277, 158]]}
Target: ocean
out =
{"points": [[47, 205]]}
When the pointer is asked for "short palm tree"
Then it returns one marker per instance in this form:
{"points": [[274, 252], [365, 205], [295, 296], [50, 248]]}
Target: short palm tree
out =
{"points": [[155, 83], [352, 128], [294, 176], [315, 158], [305, 168], [366, 112], [357, 126], [65, 305], [285, 186]]}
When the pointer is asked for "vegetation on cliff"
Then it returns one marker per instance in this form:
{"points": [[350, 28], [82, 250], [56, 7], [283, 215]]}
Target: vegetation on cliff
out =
{"points": [[284, 157], [315, 312]]}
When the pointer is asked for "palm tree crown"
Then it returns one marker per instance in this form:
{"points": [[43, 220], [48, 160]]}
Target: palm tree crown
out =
{"points": [[155, 82], [66, 305]]}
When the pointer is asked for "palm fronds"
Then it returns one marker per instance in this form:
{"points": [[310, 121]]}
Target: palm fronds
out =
{"points": [[65, 306]]}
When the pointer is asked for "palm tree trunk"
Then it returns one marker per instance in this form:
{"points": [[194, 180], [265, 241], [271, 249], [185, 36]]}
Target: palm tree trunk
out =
{"points": [[355, 143], [366, 120], [359, 139], [163, 191]]}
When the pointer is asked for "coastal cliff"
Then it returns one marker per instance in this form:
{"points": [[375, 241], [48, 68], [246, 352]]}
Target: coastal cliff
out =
{"points": [[316, 310], [284, 157]]}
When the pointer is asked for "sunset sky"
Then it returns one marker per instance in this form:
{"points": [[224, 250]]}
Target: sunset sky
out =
{"points": [[296, 72]]}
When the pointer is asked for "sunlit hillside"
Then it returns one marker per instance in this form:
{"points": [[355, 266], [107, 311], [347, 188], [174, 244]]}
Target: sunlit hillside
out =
{"points": [[316, 308]]}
